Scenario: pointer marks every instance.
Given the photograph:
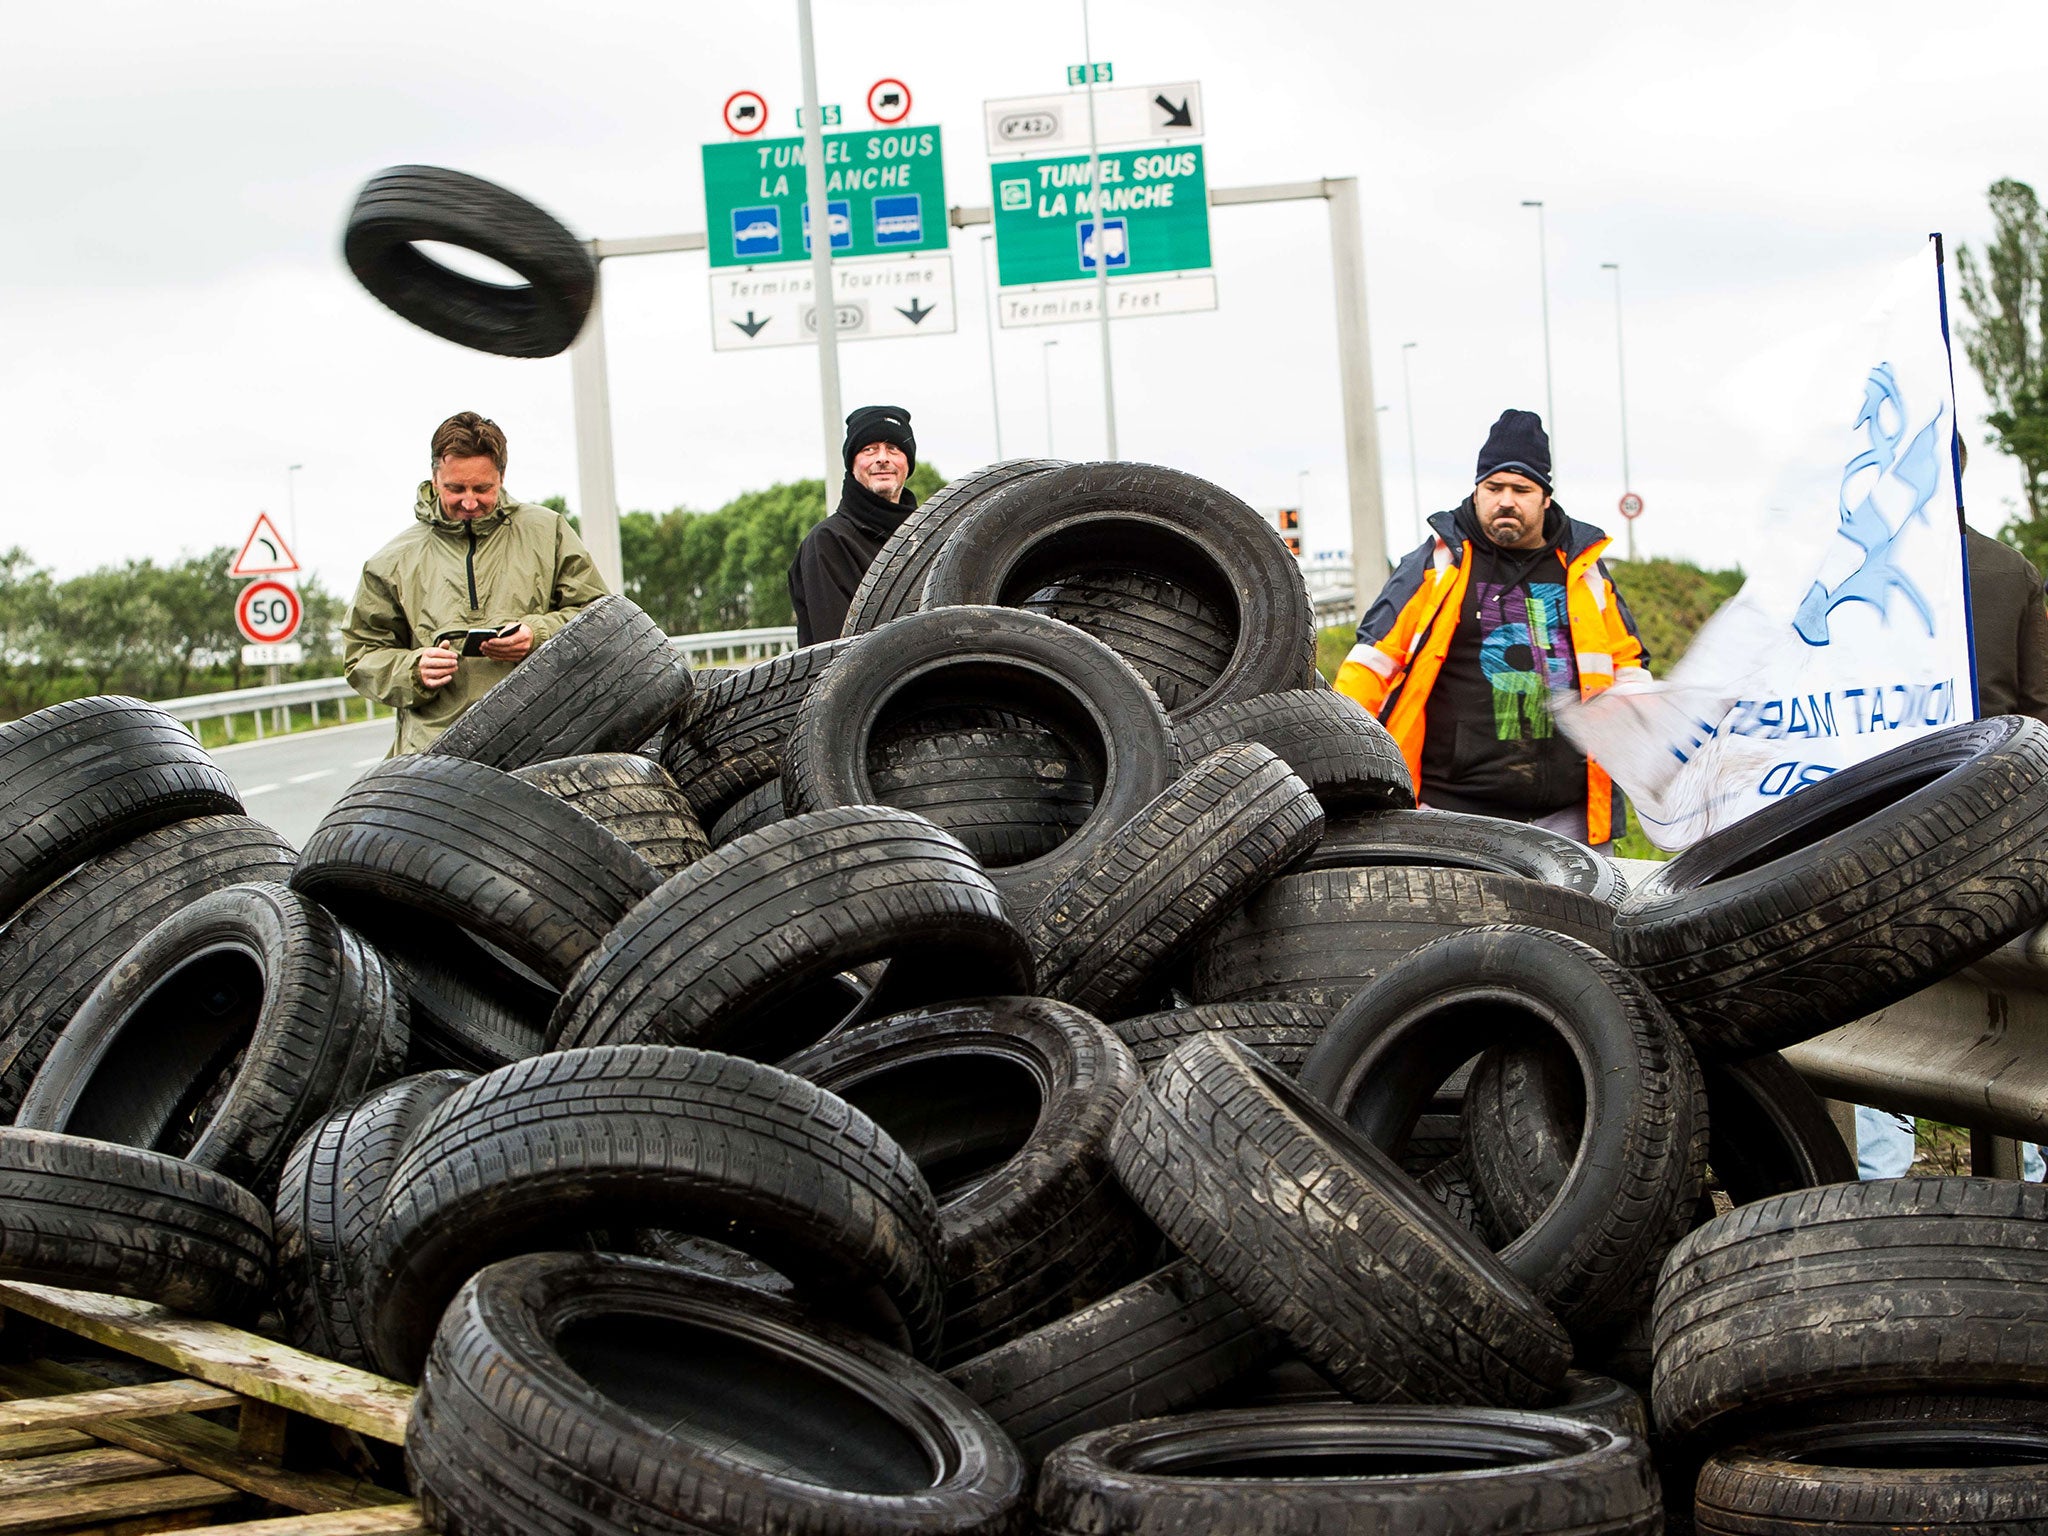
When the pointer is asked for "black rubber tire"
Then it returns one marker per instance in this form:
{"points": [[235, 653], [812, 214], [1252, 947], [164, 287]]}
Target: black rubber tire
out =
{"points": [[86, 776], [409, 203], [1293, 1382], [54, 951], [470, 845], [1037, 667], [1008, 787], [1106, 936], [535, 1155], [468, 1009], [1602, 1400], [1895, 1286], [733, 743], [1332, 743], [1068, 524], [326, 1208], [1283, 1033], [1321, 937], [1968, 1477], [1452, 840], [1591, 1193], [1363, 1470], [606, 681], [1157, 1346], [738, 952], [1178, 639], [893, 584], [592, 1395], [1771, 1132], [1005, 1106], [100, 1217], [756, 809], [633, 798], [1255, 1181], [1851, 894], [224, 1034]]}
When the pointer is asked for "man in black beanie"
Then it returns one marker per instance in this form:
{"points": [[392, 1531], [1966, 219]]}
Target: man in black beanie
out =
{"points": [[1505, 603], [874, 499]]}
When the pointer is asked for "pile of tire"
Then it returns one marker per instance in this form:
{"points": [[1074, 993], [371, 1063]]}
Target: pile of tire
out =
{"points": [[1024, 1064]]}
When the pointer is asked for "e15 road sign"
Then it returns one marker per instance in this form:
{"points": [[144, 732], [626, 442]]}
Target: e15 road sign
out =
{"points": [[885, 194], [1154, 211]]}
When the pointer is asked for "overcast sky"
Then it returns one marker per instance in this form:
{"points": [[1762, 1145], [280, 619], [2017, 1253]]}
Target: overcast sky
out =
{"points": [[176, 324]]}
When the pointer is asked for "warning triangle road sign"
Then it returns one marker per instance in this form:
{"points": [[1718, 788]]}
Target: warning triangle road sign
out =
{"points": [[264, 552]]}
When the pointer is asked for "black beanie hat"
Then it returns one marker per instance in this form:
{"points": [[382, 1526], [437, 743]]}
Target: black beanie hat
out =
{"points": [[879, 424], [1517, 442]]}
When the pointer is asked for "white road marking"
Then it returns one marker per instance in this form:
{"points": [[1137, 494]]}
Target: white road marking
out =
{"points": [[366, 762], [307, 778], [260, 789]]}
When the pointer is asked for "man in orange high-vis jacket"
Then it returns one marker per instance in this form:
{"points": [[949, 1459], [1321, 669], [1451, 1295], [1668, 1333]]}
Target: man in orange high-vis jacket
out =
{"points": [[1506, 602]]}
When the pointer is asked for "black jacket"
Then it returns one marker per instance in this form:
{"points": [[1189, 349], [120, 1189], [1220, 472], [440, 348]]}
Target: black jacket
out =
{"points": [[2008, 627], [836, 554]]}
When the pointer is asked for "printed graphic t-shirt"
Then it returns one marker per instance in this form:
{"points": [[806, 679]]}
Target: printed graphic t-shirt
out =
{"points": [[1491, 745]]}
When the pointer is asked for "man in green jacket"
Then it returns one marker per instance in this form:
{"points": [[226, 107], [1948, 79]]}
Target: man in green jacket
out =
{"points": [[475, 559]]}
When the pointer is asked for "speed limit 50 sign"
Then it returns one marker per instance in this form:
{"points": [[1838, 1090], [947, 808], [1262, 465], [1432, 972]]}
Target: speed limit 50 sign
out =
{"points": [[267, 612]]}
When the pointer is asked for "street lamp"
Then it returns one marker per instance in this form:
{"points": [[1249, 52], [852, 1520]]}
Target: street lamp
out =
{"points": [[1543, 272], [1621, 381], [1045, 356], [1408, 410], [988, 315]]}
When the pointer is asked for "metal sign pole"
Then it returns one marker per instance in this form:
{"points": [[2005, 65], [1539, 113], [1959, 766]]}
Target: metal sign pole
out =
{"points": [[988, 316], [1101, 242], [825, 297], [597, 496]]}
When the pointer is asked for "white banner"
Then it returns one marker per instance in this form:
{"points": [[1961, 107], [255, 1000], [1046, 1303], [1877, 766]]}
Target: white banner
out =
{"points": [[1851, 633]]}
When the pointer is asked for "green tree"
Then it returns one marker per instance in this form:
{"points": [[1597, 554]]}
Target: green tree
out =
{"points": [[2006, 293], [195, 601], [728, 569], [1670, 599]]}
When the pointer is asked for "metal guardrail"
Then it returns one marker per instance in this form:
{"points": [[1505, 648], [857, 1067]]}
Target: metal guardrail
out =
{"points": [[1333, 608], [276, 700], [723, 646], [1971, 1050]]}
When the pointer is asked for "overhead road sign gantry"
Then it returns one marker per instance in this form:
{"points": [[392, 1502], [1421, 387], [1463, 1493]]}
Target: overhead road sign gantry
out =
{"points": [[885, 188], [756, 307], [1129, 114], [1154, 241]]}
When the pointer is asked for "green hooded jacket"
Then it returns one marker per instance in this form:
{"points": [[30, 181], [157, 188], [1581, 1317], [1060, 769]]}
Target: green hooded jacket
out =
{"points": [[522, 564]]}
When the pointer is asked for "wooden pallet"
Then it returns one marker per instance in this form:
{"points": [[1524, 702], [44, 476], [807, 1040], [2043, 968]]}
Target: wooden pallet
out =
{"points": [[84, 1456]]}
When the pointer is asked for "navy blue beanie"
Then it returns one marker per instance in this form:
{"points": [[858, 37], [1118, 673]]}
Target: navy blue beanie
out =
{"points": [[1519, 443], [879, 424]]}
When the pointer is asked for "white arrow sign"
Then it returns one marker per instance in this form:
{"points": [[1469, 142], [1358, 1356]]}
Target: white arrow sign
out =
{"points": [[773, 306], [1124, 114]]}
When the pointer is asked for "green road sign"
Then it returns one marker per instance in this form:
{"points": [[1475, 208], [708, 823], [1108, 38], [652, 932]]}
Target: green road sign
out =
{"points": [[1078, 74], [885, 188], [1155, 215]]}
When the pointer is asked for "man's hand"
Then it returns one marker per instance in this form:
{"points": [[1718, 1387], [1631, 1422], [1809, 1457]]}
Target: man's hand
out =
{"points": [[437, 666], [512, 647]]}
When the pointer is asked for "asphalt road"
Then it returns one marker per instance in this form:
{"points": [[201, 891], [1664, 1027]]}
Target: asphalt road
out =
{"points": [[290, 781]]}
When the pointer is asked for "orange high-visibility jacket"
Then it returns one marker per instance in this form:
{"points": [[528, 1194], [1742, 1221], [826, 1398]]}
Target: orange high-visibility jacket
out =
{"points": [[1405, 635]]}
